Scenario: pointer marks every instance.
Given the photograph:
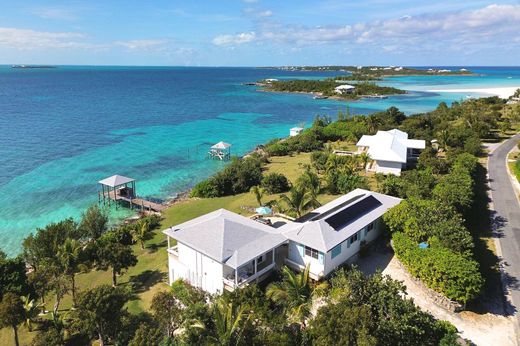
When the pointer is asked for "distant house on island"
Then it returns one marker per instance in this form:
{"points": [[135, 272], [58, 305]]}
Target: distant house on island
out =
{"points": [[390, 151], [344, 89], [224, 251], [295, 131]]}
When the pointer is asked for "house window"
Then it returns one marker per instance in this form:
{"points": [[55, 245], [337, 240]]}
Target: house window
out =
{"points": [[336, 250], [260, 259], [370, 227], [311, 252], [354, 238]]}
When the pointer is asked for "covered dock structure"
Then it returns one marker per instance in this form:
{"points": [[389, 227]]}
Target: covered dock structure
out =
{"points": [[221, 151], [120, 188]]}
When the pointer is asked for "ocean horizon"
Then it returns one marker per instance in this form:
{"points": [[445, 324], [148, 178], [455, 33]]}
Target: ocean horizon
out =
{"points": [[64, 129]]}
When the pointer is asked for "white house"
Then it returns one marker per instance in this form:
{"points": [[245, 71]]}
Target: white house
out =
{"points": [[295, 131], [332, 234], [390, 150], [223, 250], [344, 89]]}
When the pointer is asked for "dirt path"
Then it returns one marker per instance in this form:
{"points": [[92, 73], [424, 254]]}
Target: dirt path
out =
{"points": [[481, 329]]}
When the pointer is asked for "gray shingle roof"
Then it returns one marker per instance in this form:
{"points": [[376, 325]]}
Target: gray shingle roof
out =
{"points": [[319, 235], [226, 237]]}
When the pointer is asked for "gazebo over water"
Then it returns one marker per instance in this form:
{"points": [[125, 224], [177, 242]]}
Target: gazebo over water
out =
{"points": [[221, 151], [117, 187], [120, 188]]}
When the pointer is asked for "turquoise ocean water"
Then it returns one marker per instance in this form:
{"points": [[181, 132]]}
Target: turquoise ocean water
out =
{"points": [[63, 129]]}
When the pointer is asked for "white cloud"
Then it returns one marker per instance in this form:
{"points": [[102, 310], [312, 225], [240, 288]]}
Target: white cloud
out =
{"points": [[31, 39], [487, 24], [228, 40], [258, 13], [147, 45], [55, 13]]}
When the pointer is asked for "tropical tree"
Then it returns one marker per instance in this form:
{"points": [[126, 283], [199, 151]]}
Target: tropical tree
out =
{"points": [[13, 276], [229, 323], [258, 192], [310, 182], [93, 222], [146, 335], [296, 294], [363, 159], [299, 200], [32, 309], [443, 138], [69, 255], [100, 310], [373, 123], [167, 311], [12, 313], [110, 254], [141, 231]]}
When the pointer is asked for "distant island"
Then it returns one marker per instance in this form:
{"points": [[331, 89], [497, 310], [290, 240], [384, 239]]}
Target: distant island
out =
{"points": [[379, 71], [32, 66], [361, 87]]}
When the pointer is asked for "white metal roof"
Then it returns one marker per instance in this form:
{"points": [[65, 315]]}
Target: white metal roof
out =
{"points": [[390, 145], [221, 145], [116, 180], [345, 87], [227, 237], [319, 235]]}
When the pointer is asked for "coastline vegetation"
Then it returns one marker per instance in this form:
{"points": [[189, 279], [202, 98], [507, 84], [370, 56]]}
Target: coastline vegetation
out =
{"points": [[114, 278], [363, 87], [379, 71]]}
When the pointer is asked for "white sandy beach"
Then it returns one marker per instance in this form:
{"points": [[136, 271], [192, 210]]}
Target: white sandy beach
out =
{"points": [[504, 92]]}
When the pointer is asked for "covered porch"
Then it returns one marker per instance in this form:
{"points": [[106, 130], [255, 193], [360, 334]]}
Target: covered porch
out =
{"points": [[253, 271]]}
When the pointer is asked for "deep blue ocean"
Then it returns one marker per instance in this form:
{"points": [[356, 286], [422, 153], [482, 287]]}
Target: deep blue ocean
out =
{"points": [[63, 129]]}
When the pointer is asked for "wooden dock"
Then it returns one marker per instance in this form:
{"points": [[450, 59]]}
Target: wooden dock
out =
{"points": [[134, 202]]}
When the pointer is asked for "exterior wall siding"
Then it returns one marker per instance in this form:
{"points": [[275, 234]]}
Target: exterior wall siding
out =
{"points": [[348, 253], [198, 269], [388, 167], [295, 256]]}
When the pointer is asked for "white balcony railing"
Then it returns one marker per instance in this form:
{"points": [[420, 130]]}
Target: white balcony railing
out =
{"points": [[174, 251]]}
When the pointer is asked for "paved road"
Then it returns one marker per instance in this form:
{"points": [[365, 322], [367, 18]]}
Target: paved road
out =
{"points": [[507, 217]]}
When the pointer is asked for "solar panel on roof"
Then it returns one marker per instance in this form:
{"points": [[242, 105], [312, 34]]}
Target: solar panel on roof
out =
{"points": [[355, 211], [336, 208]]}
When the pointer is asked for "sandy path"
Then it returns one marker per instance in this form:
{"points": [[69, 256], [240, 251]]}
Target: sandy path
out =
{"points": [[504, 92]]}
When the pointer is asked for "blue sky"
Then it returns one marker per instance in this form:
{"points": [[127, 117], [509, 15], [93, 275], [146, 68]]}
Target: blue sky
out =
{"points": [[260, 32]]}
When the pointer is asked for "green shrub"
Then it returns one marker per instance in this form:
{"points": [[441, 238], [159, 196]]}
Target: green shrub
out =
{"points": [[237, 177], [421, 220], [454, 275], [275, 183]]}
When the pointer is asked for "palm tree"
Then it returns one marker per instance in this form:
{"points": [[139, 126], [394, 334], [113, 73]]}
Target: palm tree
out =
{"points": [[259, 193], [32, 309], [141, 231], [372, 122], [296, 294], [229, 323], [443, 137], [299, 200], [311, 182], [364, 158], [69, 255]]}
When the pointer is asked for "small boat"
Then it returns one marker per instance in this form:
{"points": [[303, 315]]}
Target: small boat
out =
{"points": [[320, 97]]}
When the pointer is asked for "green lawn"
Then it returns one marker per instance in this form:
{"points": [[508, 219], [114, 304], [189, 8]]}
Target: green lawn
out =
{"points": [[150, 274]]}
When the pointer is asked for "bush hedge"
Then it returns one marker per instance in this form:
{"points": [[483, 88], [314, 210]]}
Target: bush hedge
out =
{"points": [[238, 177], [452, 274], [275, 183]]}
